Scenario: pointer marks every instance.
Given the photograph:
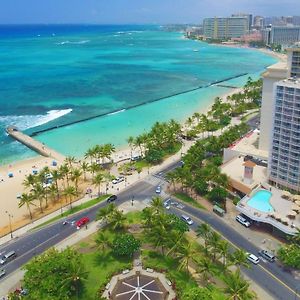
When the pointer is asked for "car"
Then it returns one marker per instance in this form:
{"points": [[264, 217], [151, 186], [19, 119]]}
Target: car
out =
{"points": [[82, 222], [118, 179], [187, 220], [136, 158], [7, 257], [242, 220], [167, 204], [180, 206], [252, 258], [111, 198], [158, 190], [2, 273], [267, 255]]}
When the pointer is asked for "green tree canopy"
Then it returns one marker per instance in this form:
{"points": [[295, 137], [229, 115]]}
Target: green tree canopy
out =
{"points": [[125, 245], [54, 275]]}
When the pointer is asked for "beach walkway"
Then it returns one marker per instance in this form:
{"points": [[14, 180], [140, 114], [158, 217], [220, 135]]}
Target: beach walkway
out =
{"points": [[33, 144]]}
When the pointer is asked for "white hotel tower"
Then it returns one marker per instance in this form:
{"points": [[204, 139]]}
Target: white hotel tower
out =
{"points": [[284, 135]]}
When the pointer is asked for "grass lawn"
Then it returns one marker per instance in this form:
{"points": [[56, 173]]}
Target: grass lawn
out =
{"points": [[75, 209], [101, 267], [185, 198]]}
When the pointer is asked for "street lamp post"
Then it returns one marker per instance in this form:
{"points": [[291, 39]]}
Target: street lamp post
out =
{"points": [[9, 218]]}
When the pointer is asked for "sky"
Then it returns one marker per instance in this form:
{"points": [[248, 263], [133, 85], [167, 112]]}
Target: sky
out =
{"points": [[136, 11]]}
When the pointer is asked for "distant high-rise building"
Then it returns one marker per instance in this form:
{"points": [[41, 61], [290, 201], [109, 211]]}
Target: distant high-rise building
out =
{"points": [[282, 35], [296, 20], [225, 28], [258, 22], [248, 16]]}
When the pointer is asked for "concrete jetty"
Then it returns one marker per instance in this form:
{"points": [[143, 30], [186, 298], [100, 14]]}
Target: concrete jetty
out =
{"points": [[33, 144]]}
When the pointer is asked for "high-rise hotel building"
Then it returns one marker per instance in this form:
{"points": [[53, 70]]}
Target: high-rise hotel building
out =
{"points": [[225, 28], [284, 147]]}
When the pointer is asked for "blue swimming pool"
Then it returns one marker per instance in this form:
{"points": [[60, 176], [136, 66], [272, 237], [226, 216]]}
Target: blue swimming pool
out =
{"points": [[261, 201]]}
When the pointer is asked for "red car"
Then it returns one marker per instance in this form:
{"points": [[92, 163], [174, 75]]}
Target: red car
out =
{"points": [[82, 221]]}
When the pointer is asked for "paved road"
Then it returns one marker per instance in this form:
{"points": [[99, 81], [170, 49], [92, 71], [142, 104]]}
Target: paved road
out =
{"points": [[269, 276]]}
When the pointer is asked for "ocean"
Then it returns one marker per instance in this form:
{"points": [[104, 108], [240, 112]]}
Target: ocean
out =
{"points": [[77, 85]]}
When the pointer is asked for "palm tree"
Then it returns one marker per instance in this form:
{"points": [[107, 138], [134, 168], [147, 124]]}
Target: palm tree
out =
{"points": [[56, 175], [157, 204], [94, 168], [239, 258], [97, 180], [64, 171], [27, 199], [104, 213], [213, 242], [223, 248], [52, 192], [185, 254], [237, 287], [130, 142], [205, 268], [76, 276], [204, 230], [117, 219], [29, 181], [159, 237], [90, 153], [171, 177], [75, 176], [70, 192], [70, 160], [84, 168], [108, 150], [102, 241], [38, 194]]}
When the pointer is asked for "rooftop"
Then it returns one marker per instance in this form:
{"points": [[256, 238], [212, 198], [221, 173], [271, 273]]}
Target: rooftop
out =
{"points": [[290, 82], [234, 169], [247, 145]]}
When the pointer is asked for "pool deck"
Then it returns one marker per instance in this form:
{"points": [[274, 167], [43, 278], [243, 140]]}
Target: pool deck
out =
{"points": [[282, 208]]}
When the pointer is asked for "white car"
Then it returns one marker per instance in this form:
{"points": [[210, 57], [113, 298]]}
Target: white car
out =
{"points": [[2, 273], [187, 220], [118, 180], [158, 190], [243, 221], [254, 259]]}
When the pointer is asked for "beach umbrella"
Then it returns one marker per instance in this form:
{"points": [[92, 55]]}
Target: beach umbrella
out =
{"points": [[296, 197], [285, 220], [10, 175], [297, 203], [286, 195], [292, 214], [295, 207]]}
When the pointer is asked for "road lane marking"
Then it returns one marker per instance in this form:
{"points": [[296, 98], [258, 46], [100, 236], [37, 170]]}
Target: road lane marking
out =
{"points": [[18, 257], [235, 246]]}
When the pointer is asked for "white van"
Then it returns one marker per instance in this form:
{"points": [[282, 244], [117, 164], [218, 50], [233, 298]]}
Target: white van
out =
{"points": [[7, 257]]}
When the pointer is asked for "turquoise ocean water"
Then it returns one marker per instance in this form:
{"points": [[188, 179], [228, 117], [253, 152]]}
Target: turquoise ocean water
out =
{"points": [[54, 75]]}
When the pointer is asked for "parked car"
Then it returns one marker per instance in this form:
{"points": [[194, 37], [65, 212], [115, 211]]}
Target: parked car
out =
{"points": [[111, 198], [8, 257], [252, 258], [267, 255], [2, 273], [242, 220], [158, 190], [187, 220], [82, 221], [118, 179]]}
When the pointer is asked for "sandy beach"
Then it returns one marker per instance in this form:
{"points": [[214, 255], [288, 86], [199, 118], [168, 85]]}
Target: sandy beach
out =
{"points": [[10, 188]]}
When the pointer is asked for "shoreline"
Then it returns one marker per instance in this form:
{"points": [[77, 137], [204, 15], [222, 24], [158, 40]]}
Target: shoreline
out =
{"points": [[12, 187]]}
